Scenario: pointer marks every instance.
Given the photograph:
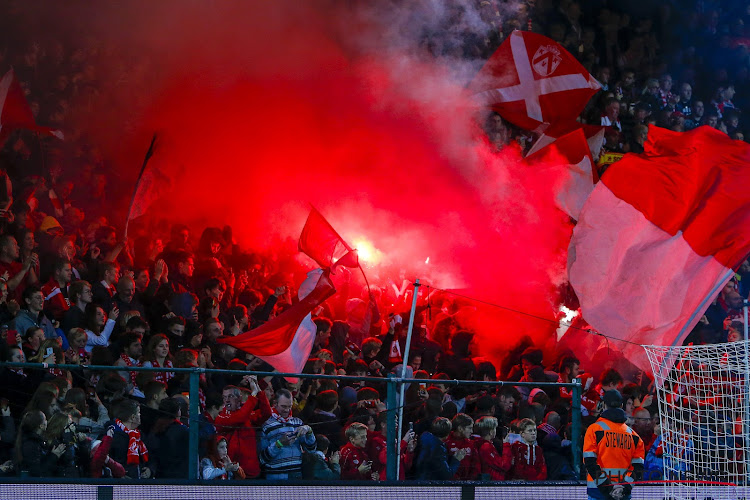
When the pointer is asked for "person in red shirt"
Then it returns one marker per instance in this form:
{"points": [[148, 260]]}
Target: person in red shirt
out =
{"points": [[355, 462], [460, 439], [19, 274], [56, 302], [527, 457], [376, 448], [237, 421], [490, 461]]}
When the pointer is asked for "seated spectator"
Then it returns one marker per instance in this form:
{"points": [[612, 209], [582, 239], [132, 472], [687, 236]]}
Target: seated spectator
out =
{"points": [[318, 465], [126, 299], [355, 462], [433, 461], [33, 337], [217, 464], [527, 460]]}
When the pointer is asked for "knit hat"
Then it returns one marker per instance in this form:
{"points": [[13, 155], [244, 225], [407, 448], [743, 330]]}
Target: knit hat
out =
{"points": [[48, 223]]}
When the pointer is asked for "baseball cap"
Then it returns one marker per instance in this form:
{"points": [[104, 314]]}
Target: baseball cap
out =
{"points": [[613, 399]]}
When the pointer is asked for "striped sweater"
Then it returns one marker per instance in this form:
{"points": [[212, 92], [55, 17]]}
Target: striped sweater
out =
{"points": [[285, 459]]}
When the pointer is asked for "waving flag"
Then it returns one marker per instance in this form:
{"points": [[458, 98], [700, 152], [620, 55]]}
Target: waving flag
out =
{"points": [[324, 245], [570, 152], [15, 111], [285, 342], [660, 235], [532, 82]]}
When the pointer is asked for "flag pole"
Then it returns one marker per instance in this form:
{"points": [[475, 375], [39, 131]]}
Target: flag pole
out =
{"points": [[403, 375], [149, 153]]}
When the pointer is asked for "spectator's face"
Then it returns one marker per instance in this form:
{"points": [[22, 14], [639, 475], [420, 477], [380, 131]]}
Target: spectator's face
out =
{"points": [[323, 337], [68, 250], [36, 302], [86, 296], [186, 268], [112, 275], [135, 349], [161, 396], [65, 274], [231, 400], [214, 331], [162, 349], [526, 365], [143, 279], [101, 317], [284, 406], [416, 362], [613, 111], [11, 249], [464, 432], [728, 93], [698, 109], [17, 356], [712, 121], [216, 292], [36, 339], [126, 290], [359, 440], [574, 370], [666, 83], [28, 241], [686, 92], [222, 448], [529, 434], [177, 330], [506, 404], [643, 424], [3, 292], [734, 335]]}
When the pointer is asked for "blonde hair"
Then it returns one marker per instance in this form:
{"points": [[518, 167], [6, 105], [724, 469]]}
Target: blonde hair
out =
{"points": [[355, 429], [485, 425]]}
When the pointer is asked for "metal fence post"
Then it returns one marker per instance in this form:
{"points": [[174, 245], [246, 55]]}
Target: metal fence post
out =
{"points": [[392, 441], [193, 424], [576, 437]]}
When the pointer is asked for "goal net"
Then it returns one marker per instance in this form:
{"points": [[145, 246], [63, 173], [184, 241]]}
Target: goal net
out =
{"points": [[703, 415]]}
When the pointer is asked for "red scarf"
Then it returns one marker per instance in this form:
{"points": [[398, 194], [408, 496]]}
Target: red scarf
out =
{"points": [[279, 417], [136, 448], [127, 361], [163, 376]]}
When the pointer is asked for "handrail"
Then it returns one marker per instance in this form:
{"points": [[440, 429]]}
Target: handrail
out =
{"points": [[392, 381]]}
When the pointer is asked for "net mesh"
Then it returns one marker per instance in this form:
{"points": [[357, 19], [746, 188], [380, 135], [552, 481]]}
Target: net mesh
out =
{"points": [[703, 413]]}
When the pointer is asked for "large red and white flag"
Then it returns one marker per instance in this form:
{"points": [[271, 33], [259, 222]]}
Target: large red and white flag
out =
{"points": [[532, 82], [285, 342], [324, 245], [15, 111], [570, 153], [594, 136], [660, 235]]}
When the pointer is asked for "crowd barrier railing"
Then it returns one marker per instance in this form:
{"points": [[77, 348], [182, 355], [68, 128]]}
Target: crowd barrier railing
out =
{"points": [[392, 382]]}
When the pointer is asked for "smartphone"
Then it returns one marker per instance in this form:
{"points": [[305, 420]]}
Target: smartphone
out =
{"points": [[411, 426], [49, 352]]}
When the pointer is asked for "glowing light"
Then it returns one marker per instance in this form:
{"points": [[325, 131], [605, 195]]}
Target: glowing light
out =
{"points": [[367, 252], [427, 261], [566, 317]]}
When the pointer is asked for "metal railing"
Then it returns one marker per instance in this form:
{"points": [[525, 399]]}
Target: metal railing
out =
{"points": [[393, 384]]}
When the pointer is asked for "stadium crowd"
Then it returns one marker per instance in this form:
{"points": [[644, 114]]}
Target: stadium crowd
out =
{"points": [[74, 292]]}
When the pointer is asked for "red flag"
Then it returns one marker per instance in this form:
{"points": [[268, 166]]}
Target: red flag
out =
{"points": [[660, 235], [571, 153], [15, 111], [286, 341], [594, 136], [532, 81], [323, 244]]}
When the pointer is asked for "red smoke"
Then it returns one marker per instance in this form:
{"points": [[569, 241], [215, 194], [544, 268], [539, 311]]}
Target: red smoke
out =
{"points": [[263, 108]]}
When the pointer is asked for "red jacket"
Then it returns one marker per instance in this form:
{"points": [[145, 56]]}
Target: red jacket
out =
{"points": [[469, 467], [101, 458], [492, 463], [528, 462], [239, 429], [54, 302], [376, 448], [351, 458]]}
